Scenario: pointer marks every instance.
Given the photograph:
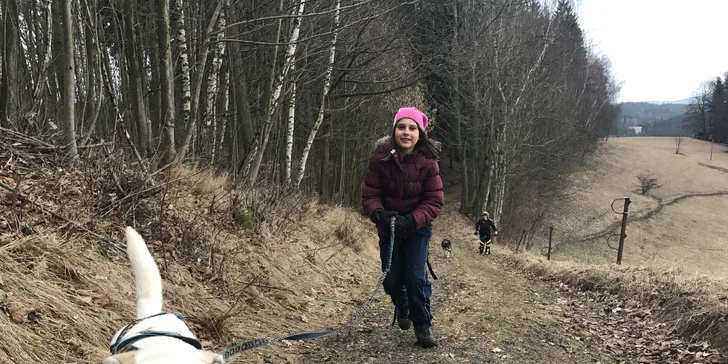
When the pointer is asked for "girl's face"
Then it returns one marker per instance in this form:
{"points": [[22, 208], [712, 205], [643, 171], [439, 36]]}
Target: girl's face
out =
{"points": [[406, 134]]}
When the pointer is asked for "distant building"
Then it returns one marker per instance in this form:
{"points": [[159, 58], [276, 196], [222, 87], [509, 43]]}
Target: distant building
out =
{"points": [[636, 129]]}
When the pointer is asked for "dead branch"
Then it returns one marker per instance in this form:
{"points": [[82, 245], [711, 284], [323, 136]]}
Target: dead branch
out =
{"points": [[25, 199]]}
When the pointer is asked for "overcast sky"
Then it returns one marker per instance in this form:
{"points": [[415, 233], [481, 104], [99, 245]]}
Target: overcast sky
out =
{"points": [[661, 50]]}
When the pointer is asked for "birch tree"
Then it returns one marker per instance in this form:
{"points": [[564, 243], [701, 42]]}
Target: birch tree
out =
{"points": [[197, 87], [292, 98], [324, 96], [252, 162], [208, 116]]}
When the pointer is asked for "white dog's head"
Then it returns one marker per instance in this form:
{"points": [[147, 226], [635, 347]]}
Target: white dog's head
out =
{"points": [[155, 337]]}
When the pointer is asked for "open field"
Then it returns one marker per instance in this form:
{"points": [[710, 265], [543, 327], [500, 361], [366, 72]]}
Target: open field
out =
{"points": [[682, 223]]}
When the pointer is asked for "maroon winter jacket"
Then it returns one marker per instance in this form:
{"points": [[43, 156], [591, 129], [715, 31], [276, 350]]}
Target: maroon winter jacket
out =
{"points": [[412, 185]]}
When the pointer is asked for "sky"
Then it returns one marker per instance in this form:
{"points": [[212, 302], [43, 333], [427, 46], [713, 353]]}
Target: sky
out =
{"points": [[660, 50]]}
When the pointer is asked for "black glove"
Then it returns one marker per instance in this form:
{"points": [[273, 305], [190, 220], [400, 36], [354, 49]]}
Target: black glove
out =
{"points": [[381, 217], [403, 224]]}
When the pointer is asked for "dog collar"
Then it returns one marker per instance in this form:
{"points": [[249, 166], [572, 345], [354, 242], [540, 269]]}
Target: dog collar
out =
{"points": [[124, 344]]}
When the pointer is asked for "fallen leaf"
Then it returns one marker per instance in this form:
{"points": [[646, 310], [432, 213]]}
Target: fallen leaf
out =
{"points": [[72, 272], [101, 299], [2, 282], [19, 312], [93, 297], [496, 350]]}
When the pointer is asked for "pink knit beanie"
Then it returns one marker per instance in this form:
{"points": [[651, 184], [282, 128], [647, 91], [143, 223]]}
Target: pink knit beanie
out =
{"points": [[412, 113]]}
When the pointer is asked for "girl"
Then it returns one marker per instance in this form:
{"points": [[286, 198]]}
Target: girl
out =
{"points": [[403, 181]]}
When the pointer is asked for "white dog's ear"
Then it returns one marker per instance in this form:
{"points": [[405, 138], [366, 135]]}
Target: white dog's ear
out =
{"points": [[210, 357], [124, 358]]}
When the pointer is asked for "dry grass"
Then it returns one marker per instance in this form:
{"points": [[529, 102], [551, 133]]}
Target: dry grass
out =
{"points": [[695, 305], [231, 283], [690, 233], [200, 181], [347, 232]]}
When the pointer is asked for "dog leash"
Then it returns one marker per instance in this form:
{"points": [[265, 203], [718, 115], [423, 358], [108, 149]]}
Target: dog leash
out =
{"points": [[309, 335]]}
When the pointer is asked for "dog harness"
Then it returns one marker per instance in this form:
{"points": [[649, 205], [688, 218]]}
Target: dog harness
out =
{"points": [[125, 343]]}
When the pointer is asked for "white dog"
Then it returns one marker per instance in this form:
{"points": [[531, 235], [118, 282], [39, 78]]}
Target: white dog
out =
{"points": [[155, 337]]}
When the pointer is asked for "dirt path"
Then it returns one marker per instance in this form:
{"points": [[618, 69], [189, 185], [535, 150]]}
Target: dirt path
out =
{"points": [[482, 314], [485, 312]]}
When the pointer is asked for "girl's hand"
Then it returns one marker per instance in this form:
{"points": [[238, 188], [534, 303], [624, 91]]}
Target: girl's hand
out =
{"points": [[381, 217], [403, 224]]}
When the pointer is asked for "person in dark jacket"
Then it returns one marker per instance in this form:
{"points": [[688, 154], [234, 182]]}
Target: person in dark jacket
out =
{"points": [[482, 228], [403, 181]]}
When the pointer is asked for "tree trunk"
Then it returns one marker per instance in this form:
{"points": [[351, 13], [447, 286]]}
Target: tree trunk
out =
{"points": [[166, 85], [223, 116], [191, 124], [93, 52], [209, 116], [184, 62], [324, 96], [292, 99], [69, 85], [242, 101], [290, 129], [42, 78], [135, 78], [155, 95], [464, 185], [325, 161], [255, 156], [8, 80]]}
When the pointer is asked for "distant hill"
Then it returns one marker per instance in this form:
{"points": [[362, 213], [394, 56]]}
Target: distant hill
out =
{"points": [[656, 119], [681, 102]]}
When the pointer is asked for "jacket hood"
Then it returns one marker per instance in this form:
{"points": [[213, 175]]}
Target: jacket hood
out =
{"points": [[383, 144]]}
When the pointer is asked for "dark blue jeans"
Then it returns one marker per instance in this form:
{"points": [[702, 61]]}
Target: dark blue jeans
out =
{"points": [[407, 282]]}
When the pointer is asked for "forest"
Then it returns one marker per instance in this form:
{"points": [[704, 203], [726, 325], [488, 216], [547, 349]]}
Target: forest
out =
{"points": [[294, 93]]}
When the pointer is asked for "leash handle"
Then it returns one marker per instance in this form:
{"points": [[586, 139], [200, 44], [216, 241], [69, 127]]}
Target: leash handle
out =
{"points": [[308, 335]]}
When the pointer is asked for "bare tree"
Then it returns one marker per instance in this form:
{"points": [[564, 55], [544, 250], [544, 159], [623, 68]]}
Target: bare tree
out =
{"points": [[252, 162], [678, 141], [324, 96], [208, 115], [69, 84], [292, 99], [696, 117], [8, 82], [135, 78], [197, 87], [166, 79]]}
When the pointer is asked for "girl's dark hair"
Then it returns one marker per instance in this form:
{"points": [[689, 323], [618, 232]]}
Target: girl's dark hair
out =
{"points": [[431, 148]]}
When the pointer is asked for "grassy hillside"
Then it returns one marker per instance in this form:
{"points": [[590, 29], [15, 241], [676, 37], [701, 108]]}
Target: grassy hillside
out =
{"points": [[245, 263], [270, 263], [682, 223]]}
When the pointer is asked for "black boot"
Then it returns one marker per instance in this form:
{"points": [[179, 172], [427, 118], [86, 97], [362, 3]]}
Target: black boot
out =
{"points": [[402, 320], [425, 338]]}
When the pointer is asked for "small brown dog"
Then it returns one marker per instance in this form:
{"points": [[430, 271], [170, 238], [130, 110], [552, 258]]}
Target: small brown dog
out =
{"points": [[447, 247]]}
